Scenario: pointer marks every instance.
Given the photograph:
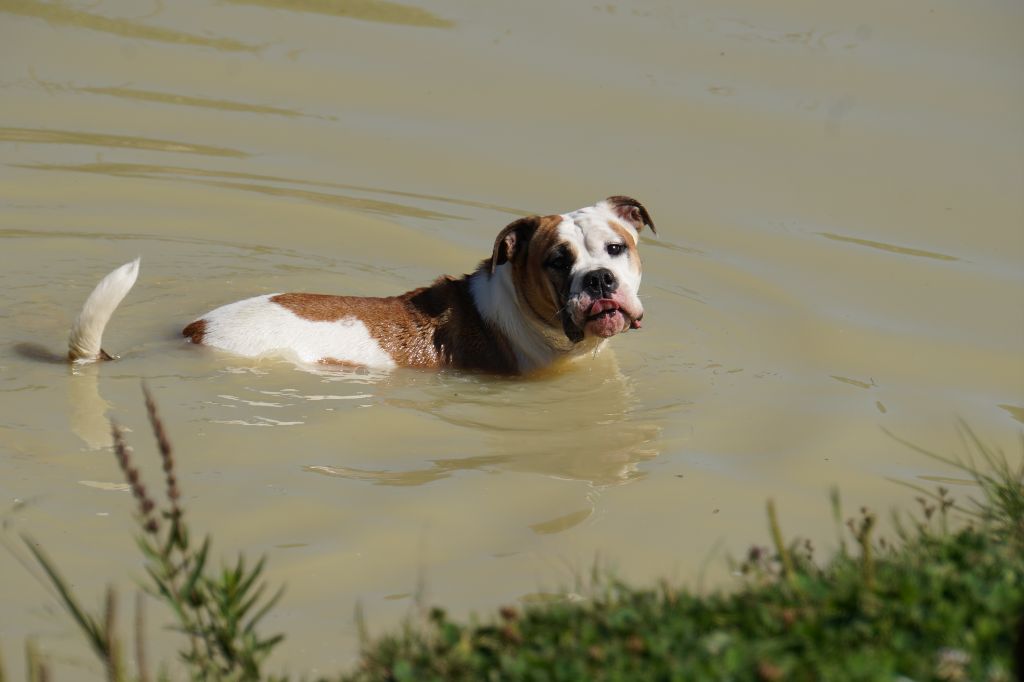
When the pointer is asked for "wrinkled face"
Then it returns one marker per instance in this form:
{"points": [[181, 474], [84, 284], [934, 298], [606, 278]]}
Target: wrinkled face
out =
{"points": [[581, 270]]}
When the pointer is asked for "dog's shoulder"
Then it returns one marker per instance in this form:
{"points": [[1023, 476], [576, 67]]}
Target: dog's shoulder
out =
{"points": [[459, 335]]}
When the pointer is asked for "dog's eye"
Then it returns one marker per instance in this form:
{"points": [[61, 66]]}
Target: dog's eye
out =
{"points": [[615, 249], [560, 262]]}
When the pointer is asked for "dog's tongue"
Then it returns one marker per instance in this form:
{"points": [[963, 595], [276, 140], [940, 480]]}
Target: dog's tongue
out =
{"points": [[605, 318], [635, 324]]}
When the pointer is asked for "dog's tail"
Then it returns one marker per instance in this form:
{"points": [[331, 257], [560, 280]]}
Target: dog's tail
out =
{"points": [[87, 331]]}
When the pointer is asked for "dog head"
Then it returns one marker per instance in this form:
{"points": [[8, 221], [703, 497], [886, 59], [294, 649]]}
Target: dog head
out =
{"points": [[579, 271]]}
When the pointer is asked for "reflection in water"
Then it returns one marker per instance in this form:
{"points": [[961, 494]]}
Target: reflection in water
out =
{"points": [[257, 421], [811, 38], [950, 480], [365, 376], [1015, 411], [550, 598], [852, 382], [107, 485], [664, 243], [189, 101], [387, 208], [564, 522], [292, 393], [891, 248], [58, 14], [41, 136], [367, 10], [251, 260], [425, 109], [88, 409], [154, 171], [442, 468], [581, 426]]}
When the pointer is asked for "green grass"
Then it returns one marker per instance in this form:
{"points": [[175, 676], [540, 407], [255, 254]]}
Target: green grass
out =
{"points": [[217, 611], [939, 604], [944, 601]]}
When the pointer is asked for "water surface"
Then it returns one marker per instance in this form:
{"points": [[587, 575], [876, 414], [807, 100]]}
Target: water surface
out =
{"points": [[840, 249]]}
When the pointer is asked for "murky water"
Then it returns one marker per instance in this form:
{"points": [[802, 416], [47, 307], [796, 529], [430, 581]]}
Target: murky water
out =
{"points": [[841, 240]]}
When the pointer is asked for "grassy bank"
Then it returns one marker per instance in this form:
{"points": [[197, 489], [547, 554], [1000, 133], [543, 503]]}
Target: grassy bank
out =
{"points": [[943, 600], [941, 606], [940, 603]]}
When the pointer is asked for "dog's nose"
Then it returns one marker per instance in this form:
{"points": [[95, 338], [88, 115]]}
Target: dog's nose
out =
{"points": [[600, 283]]}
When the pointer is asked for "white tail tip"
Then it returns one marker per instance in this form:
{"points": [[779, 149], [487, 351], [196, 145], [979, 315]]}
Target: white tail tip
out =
{"points": [[87, 332]]}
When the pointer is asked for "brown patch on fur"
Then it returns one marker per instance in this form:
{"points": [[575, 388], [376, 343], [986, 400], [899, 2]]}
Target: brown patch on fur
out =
{"points": [[195, 331], [433, 327], [513, 240], [335, 362], [535, 285], [619, 227], [632, 210], [326, 308]]}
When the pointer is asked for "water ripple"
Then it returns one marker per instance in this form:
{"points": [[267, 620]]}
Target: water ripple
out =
{"points": [[45, 136], [152, 170], [187, 100], [891, 248], [57, 14], [381, 11], [248, 182]]}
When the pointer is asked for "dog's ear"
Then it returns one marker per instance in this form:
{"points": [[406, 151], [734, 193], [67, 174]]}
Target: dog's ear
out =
{"points": [[632, 211], [511, 241]]}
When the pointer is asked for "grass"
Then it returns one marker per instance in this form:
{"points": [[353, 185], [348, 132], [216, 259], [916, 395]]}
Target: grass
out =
{"points": [[215, 610], [938, 604], [944, 601]]}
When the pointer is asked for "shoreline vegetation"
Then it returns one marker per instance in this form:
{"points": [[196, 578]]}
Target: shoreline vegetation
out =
{"points": [[943, 601]]}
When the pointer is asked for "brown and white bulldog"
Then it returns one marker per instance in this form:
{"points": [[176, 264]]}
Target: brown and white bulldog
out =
{"points": [[555, 288]]}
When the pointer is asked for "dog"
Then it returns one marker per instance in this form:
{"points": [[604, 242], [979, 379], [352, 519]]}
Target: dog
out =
{"points": [[555, 288]]}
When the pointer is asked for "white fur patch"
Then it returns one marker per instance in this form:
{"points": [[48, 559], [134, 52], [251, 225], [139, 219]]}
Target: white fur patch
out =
{"points": [[256, 327], [589, 230], [495, 296], [597, 215]]}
